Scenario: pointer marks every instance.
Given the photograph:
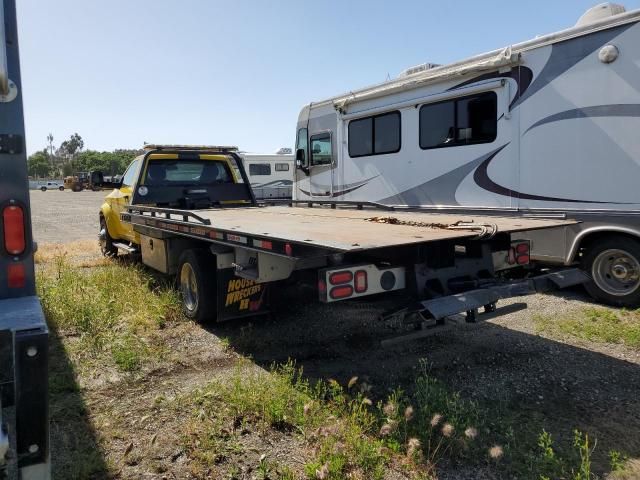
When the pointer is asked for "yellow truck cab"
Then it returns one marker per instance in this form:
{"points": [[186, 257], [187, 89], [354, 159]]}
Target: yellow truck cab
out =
{"points": [[171, 176]]}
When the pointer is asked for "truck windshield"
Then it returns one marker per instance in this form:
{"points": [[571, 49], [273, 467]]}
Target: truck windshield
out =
{"points": [[180, 172]]}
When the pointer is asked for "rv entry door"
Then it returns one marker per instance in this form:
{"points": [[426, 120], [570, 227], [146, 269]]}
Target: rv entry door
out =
{"points": [[321, 164]]}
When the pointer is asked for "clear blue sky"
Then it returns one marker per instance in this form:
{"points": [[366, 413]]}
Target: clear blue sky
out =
{"points": [[121, 72]]}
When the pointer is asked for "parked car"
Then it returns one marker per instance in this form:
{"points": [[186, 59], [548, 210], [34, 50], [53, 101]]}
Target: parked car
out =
{"points": [[51, 186]]}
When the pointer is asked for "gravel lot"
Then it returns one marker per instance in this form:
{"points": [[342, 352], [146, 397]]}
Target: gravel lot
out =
{"points": [[564, 384], [60, 217]]}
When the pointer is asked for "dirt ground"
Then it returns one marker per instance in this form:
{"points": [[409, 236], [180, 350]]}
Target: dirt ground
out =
{"points": [[563, 385]]}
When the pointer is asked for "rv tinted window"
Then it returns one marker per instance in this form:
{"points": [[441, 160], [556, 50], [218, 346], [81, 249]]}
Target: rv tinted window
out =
{"points": [[259, 169], [477, 118], [460, 121], [361, 137], [375, 135], [386, 133], [321, 149], [282, 167]]}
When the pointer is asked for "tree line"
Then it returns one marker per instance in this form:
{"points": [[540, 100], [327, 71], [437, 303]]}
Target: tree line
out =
{"points": [[71, 157]]}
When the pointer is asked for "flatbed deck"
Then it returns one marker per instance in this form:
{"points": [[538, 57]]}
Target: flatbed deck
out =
{"points": [[339, 229]]}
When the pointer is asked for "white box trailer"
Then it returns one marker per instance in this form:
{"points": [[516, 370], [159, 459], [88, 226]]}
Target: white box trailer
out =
{"points": [[270, 174], [547, 127]]}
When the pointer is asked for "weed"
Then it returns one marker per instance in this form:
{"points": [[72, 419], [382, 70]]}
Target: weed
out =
{"points": [[617, 461], [113, 310], [596, 325]]}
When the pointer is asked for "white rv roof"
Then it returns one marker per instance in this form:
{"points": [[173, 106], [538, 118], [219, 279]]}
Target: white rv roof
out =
{"points": [[486, 61]]}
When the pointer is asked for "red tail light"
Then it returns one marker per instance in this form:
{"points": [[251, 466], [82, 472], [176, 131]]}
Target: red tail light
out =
{"points": [[288, 250], [13, 223], [16, 277], [360, 282], [522, 253], [338, 278], [343, 291]]}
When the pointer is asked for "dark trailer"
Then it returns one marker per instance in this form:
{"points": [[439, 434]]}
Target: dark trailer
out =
{"points": [[24, 433]]}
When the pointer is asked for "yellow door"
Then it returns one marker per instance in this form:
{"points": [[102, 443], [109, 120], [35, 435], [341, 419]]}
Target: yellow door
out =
{"points": [[118, 201]]}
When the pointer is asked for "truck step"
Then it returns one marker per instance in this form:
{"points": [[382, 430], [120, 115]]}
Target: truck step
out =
{"points": [[125, 247]]}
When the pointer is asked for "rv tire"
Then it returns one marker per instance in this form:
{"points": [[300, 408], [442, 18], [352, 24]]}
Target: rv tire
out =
{"points": [[614, 267], [197, 285]]}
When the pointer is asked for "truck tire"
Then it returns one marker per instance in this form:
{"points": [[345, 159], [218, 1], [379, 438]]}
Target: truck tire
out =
{"points": [[106, 242], [197, 284], [44, 189], [61, 188], [614, 267]]}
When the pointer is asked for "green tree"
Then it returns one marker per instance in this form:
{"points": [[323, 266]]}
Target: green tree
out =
{"points": [[70, 148], [38, 164]]}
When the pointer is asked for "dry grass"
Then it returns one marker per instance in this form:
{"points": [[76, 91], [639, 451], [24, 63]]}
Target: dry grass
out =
{"points": [[78, 251]]}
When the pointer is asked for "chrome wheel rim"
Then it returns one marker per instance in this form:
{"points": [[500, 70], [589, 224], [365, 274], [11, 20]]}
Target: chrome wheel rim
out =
{"points": [[189, 288], [102, 238], [616, 272]]}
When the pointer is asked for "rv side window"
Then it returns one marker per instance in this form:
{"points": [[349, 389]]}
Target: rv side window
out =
{"points": [[282, 167], [321, 149], [259, 169], [462, 121], [375, 135]]}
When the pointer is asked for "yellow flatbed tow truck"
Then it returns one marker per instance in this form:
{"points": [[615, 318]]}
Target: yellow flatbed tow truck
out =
{"points": [[189, 212]]}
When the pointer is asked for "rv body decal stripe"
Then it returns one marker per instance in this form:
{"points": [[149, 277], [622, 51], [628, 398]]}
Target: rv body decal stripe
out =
{"points": [[481, 177], [342, 189], [568, 53], [614, 110]]}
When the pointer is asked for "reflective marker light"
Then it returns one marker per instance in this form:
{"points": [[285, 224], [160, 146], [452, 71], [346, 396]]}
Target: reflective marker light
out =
{"points": [[360, 282], [339, 278], [13, 223], [343, 291], [288, 250], [16, 277]]}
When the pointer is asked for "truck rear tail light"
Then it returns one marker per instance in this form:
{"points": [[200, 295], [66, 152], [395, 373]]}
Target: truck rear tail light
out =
{"points": [[16, 277], [288, 250], [360, 281], [343, 291], [13, 223], [339, 278]]}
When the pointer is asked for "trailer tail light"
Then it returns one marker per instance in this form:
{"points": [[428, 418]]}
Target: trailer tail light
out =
{"points": [[16, 276], [351, 281], [343, 291], [522, 253], [13, 223], [338, 278], [360, 281]]}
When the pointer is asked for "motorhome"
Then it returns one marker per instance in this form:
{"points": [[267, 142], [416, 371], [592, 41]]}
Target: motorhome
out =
{"points": [[270, 174], [546, 127]]}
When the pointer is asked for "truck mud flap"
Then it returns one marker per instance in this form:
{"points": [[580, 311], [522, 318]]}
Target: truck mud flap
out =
{"points": [[239, 297]]}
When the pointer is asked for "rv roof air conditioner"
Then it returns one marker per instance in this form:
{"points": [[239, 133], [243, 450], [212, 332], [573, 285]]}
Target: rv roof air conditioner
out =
{"points": [[600, 11], [417, 69]]}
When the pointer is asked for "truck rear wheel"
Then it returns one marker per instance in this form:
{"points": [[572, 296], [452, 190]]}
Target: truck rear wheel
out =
{"points": [[614, 267], [44, 189], [197, 283], [61, 188]]}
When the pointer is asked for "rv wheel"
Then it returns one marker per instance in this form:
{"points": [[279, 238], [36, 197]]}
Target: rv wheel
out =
{"points": [[196, 281], [614, 267]]}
